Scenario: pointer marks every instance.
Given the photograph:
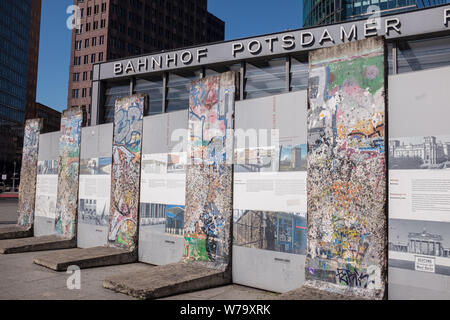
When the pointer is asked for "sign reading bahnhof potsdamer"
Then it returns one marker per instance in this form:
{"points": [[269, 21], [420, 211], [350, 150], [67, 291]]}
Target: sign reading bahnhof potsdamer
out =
{"points": [[392, 26]]}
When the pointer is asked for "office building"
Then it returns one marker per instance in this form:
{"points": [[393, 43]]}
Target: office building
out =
{"points": [[113, 29], [19, 51]]}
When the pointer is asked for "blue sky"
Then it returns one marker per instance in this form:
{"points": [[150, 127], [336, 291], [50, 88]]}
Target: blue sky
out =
{"points": [[243, 18]]}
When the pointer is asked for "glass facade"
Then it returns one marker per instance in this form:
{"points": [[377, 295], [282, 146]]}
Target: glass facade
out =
{"points": [[321, 12], [15, 17]]}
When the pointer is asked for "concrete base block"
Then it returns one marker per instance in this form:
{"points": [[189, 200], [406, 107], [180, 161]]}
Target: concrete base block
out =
{"points": [[14, 232], [85, 258], [43, 243], [163, 281], [308, 293]]}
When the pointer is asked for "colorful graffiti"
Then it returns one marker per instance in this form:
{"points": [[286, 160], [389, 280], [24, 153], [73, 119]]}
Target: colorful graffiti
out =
{"points": [[28, 173], [68, 172], [346, 169], [126, 167], [209, 177]]}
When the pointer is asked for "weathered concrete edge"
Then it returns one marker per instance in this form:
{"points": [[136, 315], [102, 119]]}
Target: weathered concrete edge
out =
{"points": [[55, 245], [104, 261], [201, 283], [17, 234], [307, 292]]}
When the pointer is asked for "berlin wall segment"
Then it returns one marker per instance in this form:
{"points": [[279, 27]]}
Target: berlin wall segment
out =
{"points": [[347, 223], [209, 202], [67, 196], [121, 246], [27, 188]]}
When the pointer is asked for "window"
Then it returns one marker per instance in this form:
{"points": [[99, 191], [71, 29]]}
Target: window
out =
{"points": [[154, 88], [94, 41], [93, 58], [75, 93], [102, 23], [95, 27], [100, 57], [86, 59], [89, 11], [83, 93], [85, 76], [299, 73], [103, 7], [178, 86], [79, 30], [265, 78], [114, 90], [102, 40], [88, 26], [77, 61], [76, 77], [78, 45], [423, 54], [86, 43], [96, 9]]}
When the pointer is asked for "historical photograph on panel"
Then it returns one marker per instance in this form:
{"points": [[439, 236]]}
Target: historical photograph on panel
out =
{"points": [[167, 218], [293, 158], [47, 167], [152, 214], [275, 231], [430, 152], [261, 159], [94, 211], [174, 219], [420, 245], [89, 166], [154, 163], [104, 165], [176, 162]]}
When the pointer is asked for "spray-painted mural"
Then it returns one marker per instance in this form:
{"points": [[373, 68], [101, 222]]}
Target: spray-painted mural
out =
{"points": [[125, 176], [209, 173], [68, 172], [28, 173], [346, 249]]}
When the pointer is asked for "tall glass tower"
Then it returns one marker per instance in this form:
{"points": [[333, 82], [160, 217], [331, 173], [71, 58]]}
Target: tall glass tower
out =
{"points": [[19, 35], [320, 12]]}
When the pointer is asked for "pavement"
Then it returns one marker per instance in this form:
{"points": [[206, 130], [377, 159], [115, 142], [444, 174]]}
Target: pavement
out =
{"points": [[21, 279]]}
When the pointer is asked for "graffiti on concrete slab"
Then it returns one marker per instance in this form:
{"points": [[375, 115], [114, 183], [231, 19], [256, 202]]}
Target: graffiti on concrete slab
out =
{"points": [[126, 167], [28, 173], [346, 169], [209, 207], [68, 172]]}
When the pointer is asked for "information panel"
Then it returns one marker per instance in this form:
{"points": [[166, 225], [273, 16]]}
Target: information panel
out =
{"points": [[95, 186], [46, 184], [163, 185], [269, 239], [419, 185]]}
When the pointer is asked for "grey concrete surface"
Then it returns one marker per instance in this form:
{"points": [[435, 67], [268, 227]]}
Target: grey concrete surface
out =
{"points": [[8, 211], [60, 260], [163, 281], [228, 292], [308, 293], [20, 279]]}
